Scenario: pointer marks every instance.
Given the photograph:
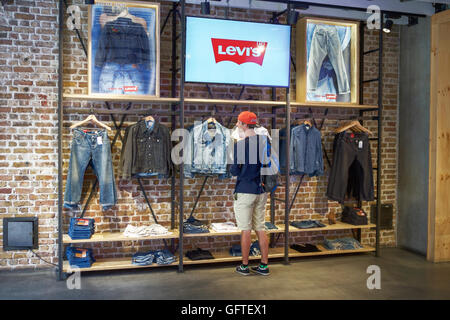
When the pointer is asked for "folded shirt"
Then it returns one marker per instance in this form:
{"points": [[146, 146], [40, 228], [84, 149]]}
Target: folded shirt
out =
{"points": [[307, 224], [270, 226], [145, 231], [342, 244], [199, 254], [306, 247], [190, 228], [224, 227]]}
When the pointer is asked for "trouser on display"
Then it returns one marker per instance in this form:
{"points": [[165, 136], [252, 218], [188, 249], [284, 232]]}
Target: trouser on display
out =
{"points": [[351, 171], [90, 148]]}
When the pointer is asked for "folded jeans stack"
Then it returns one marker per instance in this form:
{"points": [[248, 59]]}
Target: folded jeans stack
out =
{"points": [[192, 225], [164, 257], [307, 224], [342, 244], [145, 231], [224, 227], [143, 258], [79, 257], [270, 226], [81, 228], [236, 250]]}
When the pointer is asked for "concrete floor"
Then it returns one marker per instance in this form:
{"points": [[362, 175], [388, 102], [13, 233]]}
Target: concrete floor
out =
{"points": [[404, 275]]}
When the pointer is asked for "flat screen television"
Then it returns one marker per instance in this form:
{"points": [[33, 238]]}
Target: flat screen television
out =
{"points": [[237, 52]]}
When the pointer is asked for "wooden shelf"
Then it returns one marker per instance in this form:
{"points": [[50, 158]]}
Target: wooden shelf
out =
{"points": [[219, 257], [126, 98], [131, 98], [118, 236]]}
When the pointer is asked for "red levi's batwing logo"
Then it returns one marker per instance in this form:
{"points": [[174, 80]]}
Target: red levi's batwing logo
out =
{"points": [[239, 51]]}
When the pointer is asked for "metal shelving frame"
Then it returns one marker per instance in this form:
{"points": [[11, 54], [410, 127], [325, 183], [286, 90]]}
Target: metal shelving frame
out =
{"points": [[177, 109]]}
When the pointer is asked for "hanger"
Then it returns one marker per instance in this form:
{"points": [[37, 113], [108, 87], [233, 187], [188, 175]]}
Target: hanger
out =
{"points": [[91, 118], [104, 18], [149, 118], [307, 123], [355, 126]]}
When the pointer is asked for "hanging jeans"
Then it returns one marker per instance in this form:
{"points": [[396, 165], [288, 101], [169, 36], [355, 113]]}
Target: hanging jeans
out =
{"points": [[118, 78], [90, 148], [351, 171], [325, 41]]}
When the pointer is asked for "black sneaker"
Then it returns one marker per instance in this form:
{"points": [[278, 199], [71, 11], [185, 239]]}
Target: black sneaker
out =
{"points": [[261, 270], [245, 271]]}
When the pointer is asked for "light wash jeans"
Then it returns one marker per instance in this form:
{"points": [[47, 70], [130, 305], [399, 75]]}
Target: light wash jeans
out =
{"points": [[122, 79], [325, 41], [90, 148]]}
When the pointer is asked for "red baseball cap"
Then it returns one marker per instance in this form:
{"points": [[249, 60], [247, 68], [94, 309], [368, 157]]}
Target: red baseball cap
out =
{"points": [[248, 117]]}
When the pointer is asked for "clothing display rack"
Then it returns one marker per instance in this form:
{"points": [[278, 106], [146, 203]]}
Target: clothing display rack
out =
{"points": [[178, 110]]}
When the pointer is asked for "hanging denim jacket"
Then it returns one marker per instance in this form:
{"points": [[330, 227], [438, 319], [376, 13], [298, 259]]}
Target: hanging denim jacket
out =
{"points": [[206, 153]]}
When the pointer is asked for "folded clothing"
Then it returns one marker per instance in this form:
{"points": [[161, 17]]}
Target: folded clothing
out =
{"points": [[270, 226], [143, 258], [305, 247], [81, 228], [199, 254], [158, 256], [342, 244], [190, 228], [195, 222], [224, 227], [80, 257], [307, 224], [145, 231], [236, 250]]}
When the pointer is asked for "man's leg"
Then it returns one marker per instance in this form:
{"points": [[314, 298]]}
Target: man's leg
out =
{"points": [[246, 242], [263, 245]]}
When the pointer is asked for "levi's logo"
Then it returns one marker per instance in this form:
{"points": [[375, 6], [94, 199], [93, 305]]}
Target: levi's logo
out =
{"points": [[239, 51]]}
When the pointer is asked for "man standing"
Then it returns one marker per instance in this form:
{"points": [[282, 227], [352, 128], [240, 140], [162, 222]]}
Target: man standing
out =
{"points": [[249, 196]]}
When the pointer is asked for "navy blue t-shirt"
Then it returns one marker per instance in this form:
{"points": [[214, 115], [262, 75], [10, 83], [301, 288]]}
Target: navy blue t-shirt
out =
{"points": [[247, 166]]}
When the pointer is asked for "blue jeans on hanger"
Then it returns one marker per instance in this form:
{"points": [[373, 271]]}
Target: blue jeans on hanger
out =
{"points": [[90, 148]]}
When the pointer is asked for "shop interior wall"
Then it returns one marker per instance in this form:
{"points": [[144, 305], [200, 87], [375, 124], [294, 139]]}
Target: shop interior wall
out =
{"points": [[414, 119], [29, 131]]}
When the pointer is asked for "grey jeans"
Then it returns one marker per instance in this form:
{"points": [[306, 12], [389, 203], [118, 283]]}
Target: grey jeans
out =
{"points": [[325, 41]]}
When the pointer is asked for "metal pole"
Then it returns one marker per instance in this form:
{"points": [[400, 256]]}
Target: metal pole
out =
{"points": [[183, 54], [60, 128], [173, 118], [380, 134], [286, 192]]}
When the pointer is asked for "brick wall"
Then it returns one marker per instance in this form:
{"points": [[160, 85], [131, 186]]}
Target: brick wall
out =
{"points": [[28, 131]]}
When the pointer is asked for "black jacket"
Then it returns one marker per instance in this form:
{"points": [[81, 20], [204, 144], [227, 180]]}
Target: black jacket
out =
{"points": [[146, 151], [123, 41]]}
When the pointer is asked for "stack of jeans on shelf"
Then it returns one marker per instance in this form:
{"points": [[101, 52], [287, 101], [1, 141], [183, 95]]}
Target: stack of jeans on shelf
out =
{"points": [[164, 257], [79, 257], [307, 224], [236, 250], [158, 256], [342, 244], [192, 225], [270, 226], [81, 228], [143, 258]]}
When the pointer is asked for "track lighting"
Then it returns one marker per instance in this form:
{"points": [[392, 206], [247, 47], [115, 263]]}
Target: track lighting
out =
{"points": [[292, 17], [388, 25], [205, 7]]}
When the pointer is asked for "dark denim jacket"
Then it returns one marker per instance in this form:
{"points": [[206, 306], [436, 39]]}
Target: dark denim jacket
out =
{"points": [[146, 150], [123, 41]]}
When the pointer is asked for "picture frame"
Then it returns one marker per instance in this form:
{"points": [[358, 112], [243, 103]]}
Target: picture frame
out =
{"points": [[327, 61], [124, 49]]}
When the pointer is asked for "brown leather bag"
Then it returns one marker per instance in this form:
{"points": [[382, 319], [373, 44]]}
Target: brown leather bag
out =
{"points": [[331, 218]]}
